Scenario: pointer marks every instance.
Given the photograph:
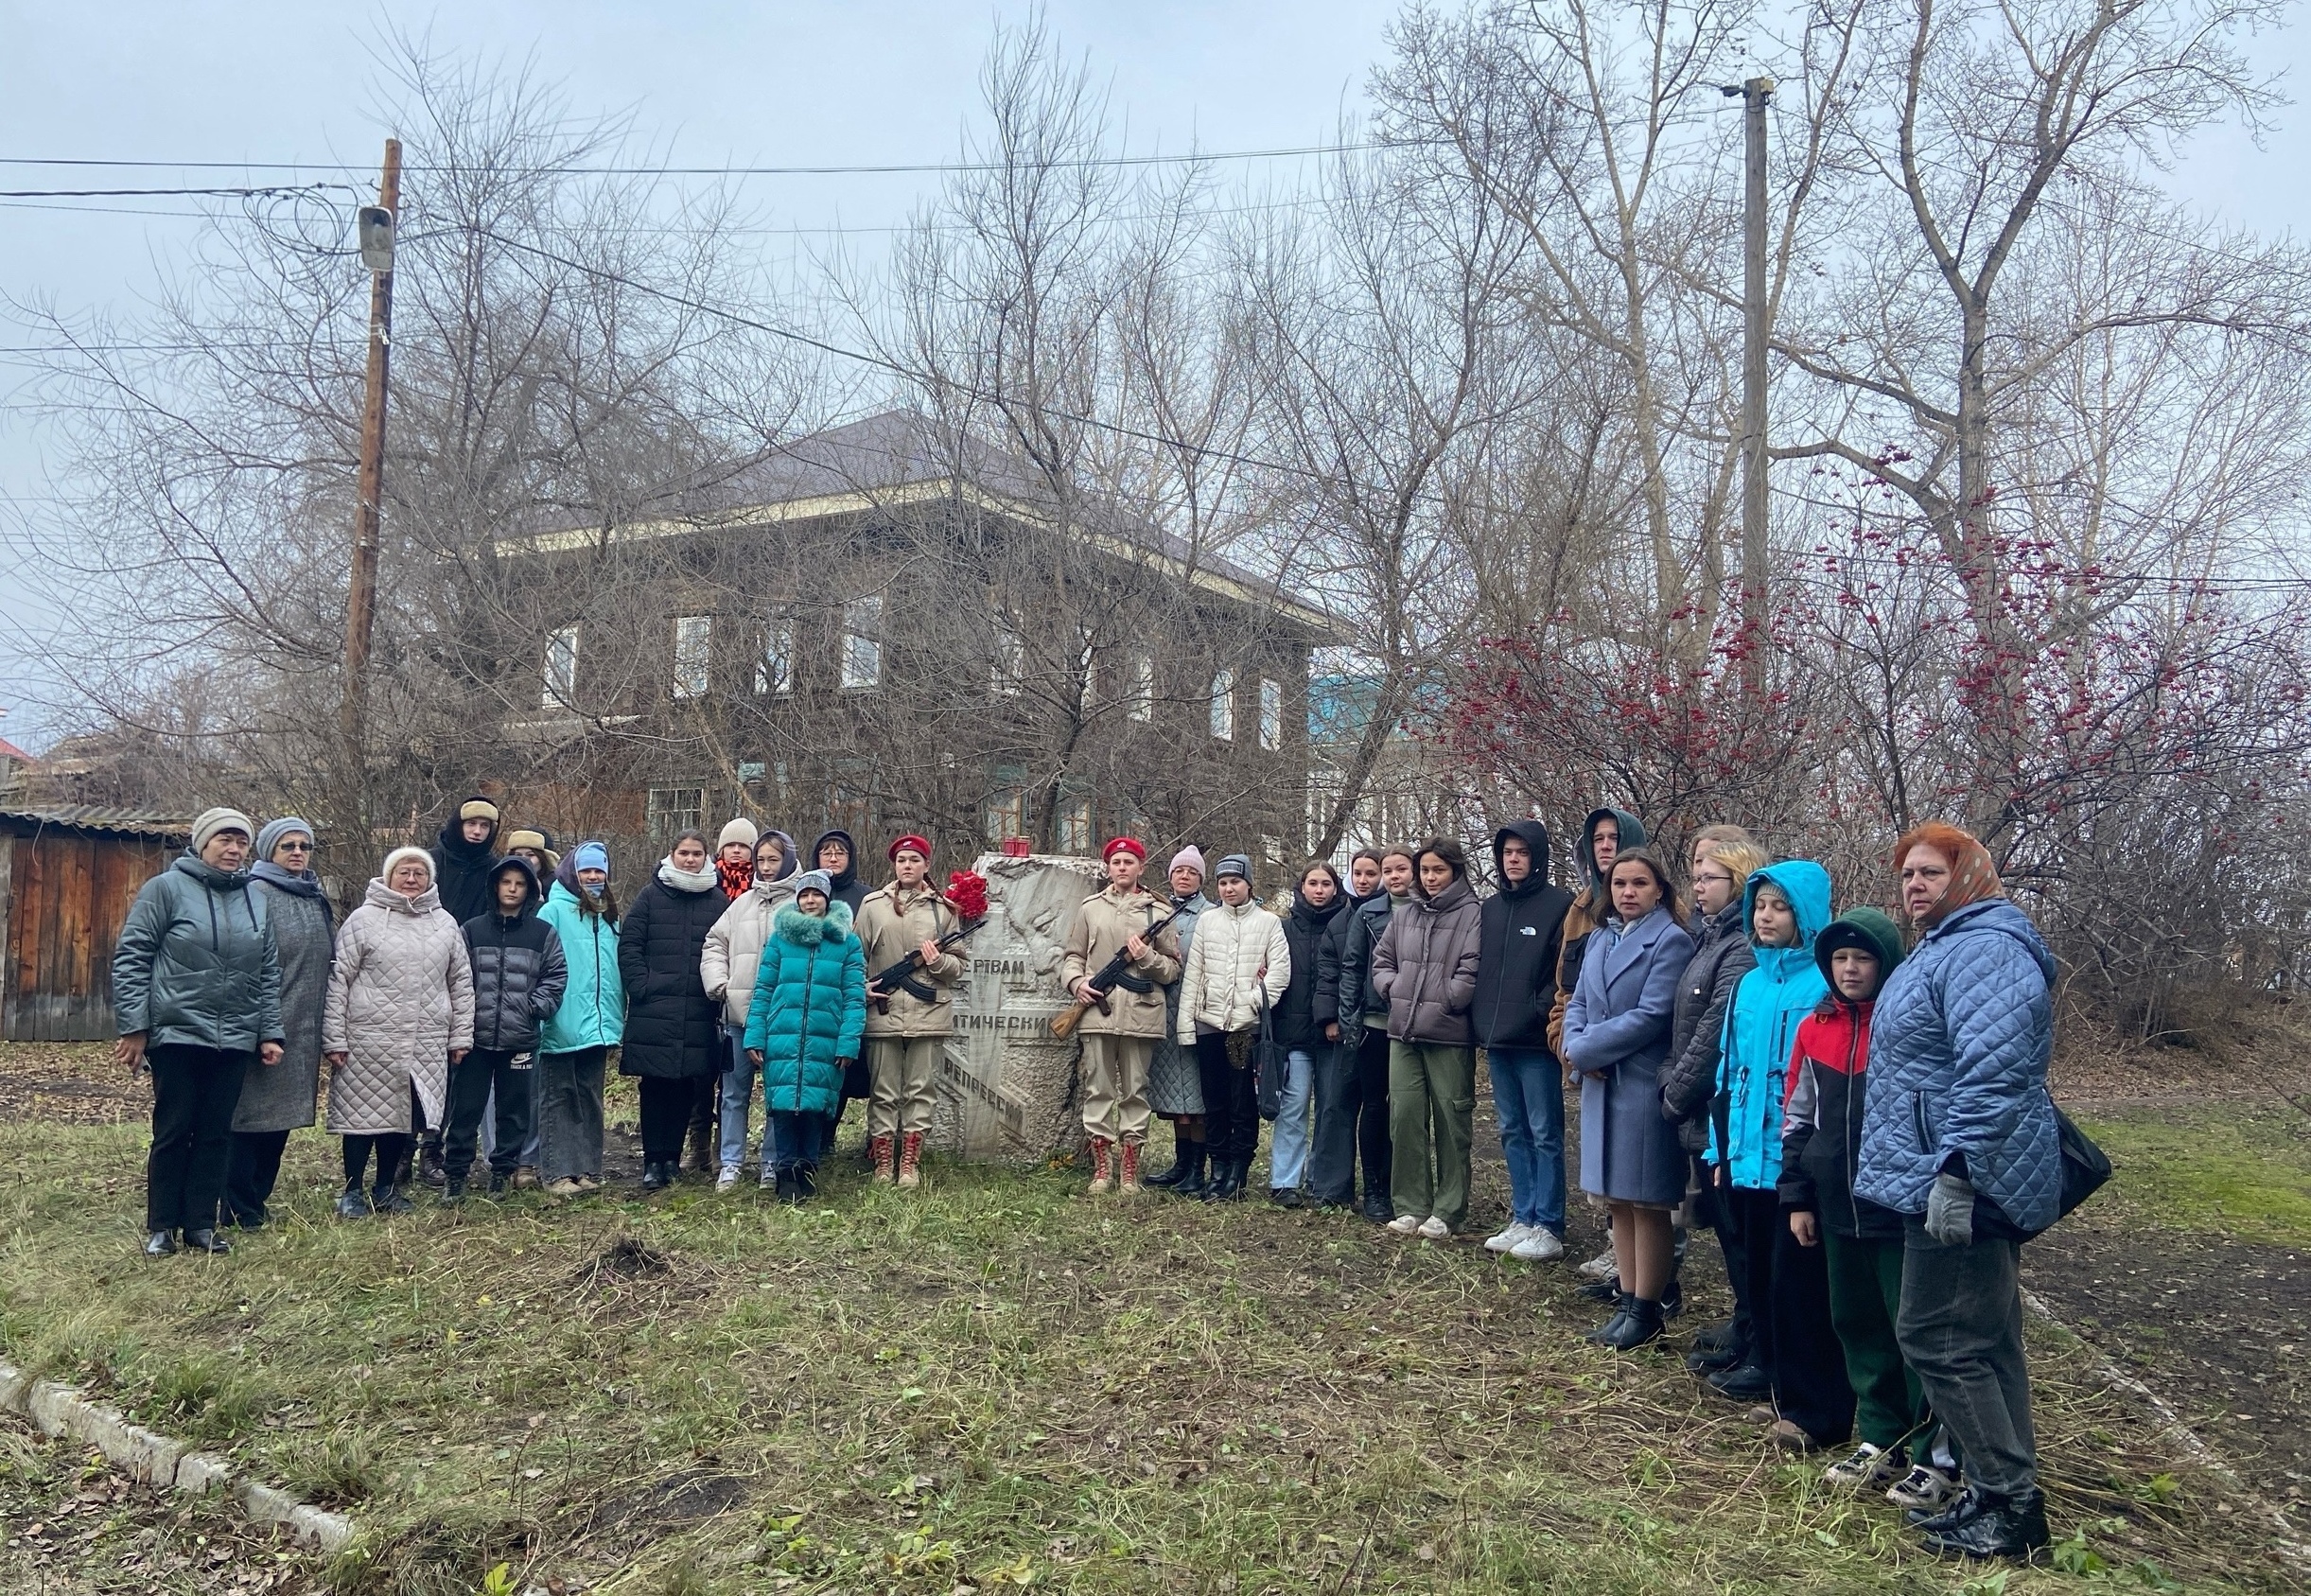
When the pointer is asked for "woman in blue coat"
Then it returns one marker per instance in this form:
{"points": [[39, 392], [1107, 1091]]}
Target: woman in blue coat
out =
{"points": [[804, 1026], [1617, 1035], [1785, 1286], [1958, 1134]]}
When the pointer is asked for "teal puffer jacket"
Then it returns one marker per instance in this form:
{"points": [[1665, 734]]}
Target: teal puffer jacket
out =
{"points": [[593, 1010], [1760, 1035], [809, 1008], [196, 965]]}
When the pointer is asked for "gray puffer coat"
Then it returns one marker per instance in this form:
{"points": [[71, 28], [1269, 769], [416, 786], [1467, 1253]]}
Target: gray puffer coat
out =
{"points": [[1425, 965], [1721, 956], [400, 1001], [196, 965]]}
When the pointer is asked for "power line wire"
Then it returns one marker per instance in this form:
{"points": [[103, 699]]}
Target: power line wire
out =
{"points": [[848, 170]]}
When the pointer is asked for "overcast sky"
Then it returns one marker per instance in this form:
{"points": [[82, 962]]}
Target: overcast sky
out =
{"points": [[867, 82]]}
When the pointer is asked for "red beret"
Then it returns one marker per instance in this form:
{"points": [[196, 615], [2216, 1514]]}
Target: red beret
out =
{"points": [[1132, 845], [920, 845]]}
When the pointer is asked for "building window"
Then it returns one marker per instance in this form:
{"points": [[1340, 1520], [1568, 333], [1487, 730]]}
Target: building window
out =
{"points": [[1007, 814], [863, 642], [673, 810], [1271, 714], [1011, 668], [1139, 690], [773, 667], [693, 652], [1223, 705], [1075, 826], [1271, 848], [561, 669]]}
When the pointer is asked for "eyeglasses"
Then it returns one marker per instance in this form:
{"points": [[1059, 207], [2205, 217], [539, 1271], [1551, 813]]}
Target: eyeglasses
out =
{"points": [[292, 846], [1714, 875]]}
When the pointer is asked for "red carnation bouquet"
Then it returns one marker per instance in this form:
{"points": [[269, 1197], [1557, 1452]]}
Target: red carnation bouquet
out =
{"points": [[967, 894]]}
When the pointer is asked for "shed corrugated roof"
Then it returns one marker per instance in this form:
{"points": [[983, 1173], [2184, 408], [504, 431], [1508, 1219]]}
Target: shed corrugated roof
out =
{"points": [[93, 818]]}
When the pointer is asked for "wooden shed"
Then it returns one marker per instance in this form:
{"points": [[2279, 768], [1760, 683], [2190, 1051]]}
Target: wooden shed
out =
{"points": [[67, 877]]}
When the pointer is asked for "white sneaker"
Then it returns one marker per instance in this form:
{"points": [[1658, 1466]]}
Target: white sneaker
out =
{"points": [[728, 1180], [1600, 1265], [1508, 1239], [1405, 1224], [1867, 1468], [1539, 1246], [1434, 1229]]}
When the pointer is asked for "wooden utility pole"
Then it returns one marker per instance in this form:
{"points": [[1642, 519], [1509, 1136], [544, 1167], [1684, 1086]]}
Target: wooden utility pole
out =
{"points": [[1756, 576], [361, 594]]}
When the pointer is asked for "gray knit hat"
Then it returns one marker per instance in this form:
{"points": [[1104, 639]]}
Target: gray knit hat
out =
{"points": [[1233, 865], [814, 880], [214, 820]]}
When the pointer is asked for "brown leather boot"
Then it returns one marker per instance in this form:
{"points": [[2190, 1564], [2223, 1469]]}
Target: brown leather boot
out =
{"points": [[911, 1159], [1129, 1183], [700, 1157], [1102, 1181], [879, 1154]]}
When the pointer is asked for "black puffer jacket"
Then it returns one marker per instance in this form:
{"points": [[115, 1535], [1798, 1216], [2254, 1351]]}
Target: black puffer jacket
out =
{"points": [[672, 1025], [1517, 952], [518, 973], [1353, 999], [1721, 956], [1306, 929], [463, 870], [1326, 999]]}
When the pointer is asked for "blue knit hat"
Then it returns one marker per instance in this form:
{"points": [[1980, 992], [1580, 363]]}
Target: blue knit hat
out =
{"points": [[590, 856], [270, 838]]}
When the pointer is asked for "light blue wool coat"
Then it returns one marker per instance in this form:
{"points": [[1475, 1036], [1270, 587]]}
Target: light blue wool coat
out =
{"points": [[1958, 1045], [810, 1008], [1760, 1033]]}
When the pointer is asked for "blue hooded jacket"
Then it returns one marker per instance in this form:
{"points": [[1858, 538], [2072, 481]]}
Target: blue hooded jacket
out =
{"points": [[1760, 1033], [1958, 1046], [593, 1007]]}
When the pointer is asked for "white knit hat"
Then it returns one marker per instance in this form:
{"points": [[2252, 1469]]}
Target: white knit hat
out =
{"points": [[740, 830], [385, 871]]}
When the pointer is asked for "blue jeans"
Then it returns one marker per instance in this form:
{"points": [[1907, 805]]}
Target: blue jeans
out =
{"points": [[796, 1139], [1529, 1100], [1288, 1150], [737, 1096]]}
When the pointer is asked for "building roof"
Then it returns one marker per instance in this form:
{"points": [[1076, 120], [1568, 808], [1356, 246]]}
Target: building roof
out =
{"points": [[903, 458], [96, 820], [9, 751]]}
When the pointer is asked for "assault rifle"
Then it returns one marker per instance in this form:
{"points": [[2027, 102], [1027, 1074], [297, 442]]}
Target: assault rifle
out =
{"points": [[902, 975], [967, 895], [1103, 981]]}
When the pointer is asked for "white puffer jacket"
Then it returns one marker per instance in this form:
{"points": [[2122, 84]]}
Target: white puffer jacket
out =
{"points": [[1236, 959], [733, 950], [400, 999]]}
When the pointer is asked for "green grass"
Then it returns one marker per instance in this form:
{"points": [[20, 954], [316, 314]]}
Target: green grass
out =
{"points": [[1000, 1384], [2238, 1170]]}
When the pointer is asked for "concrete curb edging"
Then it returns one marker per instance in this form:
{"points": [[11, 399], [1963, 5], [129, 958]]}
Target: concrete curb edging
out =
{"points": [[157, 1460]]}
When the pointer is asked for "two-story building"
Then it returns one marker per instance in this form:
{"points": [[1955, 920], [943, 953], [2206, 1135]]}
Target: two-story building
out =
{"points": [[888, 628]]}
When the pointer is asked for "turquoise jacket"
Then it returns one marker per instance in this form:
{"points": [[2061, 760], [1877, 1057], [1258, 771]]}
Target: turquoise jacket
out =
{"points": [[593, 1010], [1760, 1033], [809, 1008]]}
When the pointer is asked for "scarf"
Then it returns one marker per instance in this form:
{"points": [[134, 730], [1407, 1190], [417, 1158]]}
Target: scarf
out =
{"points": [[1972, 876], [681, 880], [304, 884], [735, 877]]}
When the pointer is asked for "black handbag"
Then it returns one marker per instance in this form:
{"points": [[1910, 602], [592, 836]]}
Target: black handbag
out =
{"points": [[1271, 1062], [2085, 1166]]}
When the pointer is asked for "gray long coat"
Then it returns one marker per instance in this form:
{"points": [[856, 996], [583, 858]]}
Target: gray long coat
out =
{"points": [[281, 1096], [1616, 1034]]}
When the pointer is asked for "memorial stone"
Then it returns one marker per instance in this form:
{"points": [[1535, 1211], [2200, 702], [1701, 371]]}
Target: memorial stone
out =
{"points": [[1008, 1089]]}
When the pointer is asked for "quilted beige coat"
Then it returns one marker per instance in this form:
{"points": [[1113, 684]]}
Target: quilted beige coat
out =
{"points": [[733, 950], [400, 998], [1237, 964]]}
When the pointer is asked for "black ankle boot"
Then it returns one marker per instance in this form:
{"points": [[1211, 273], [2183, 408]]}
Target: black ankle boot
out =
{"points": [[654, 1176], [1604, 1333], [160, 1243], [1198, 1178], [1636, 1325], [1182, 1153], [1227, 1179], [2003, 1527], [205, 1241]]}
